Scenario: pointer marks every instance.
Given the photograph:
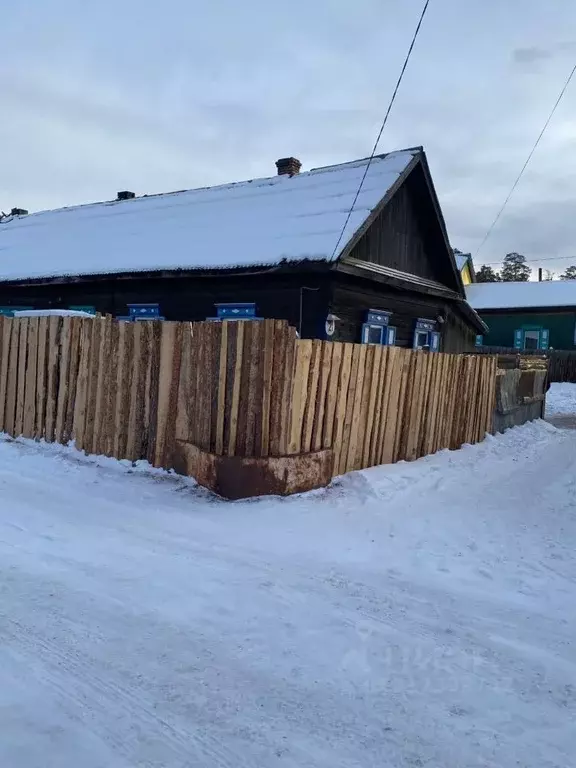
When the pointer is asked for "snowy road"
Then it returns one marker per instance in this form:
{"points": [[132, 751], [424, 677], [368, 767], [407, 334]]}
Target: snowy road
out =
{"points": [[415, 615]]}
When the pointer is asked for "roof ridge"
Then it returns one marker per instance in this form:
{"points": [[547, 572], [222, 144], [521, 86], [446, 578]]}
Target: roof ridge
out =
{"points": [[229, 184]]}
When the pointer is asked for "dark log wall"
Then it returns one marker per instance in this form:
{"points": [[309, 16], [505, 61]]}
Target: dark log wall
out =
{"points": [[407, 236], [352, 298], [188, 298], [276, 296]]}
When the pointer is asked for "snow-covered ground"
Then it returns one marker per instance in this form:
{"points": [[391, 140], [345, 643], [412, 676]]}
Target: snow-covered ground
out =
{"points": [[414, 615], [561, 400]]}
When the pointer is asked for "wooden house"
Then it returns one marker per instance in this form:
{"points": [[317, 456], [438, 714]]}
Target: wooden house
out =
{"points": [[374, 266], [465, 267], [531, 315]]}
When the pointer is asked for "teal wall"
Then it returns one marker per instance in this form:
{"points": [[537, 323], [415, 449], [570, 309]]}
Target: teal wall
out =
{"points": [[502, 326]]}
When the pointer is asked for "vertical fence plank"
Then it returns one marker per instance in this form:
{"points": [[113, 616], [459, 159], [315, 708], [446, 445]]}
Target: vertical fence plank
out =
{"points": [[312, 396], [278, 427], [263, 449], [182, 428], [6, 331], [299, 394], [134, 331], [352, 427], [152, 387], [81, 399], [21, 381], [235, 399], [41, 379], [92, 386], [221, 384], [12, 387], [350, 406], [401, 397], [31, 374], [110, 384], [170, 354], [328, 428], [326, 363], [74, 373], [386, 360], [254, 386], [341, 403], [372, 405], [101, 381], [54, 330], [63, 373], [288, 385]]}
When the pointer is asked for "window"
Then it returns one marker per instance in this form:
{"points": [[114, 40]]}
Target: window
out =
{"points": [[376, 329], [479, 340], [531, 337], [426, 336], [235, 311]]}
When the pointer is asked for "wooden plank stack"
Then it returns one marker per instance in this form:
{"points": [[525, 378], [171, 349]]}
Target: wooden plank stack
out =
{"points": [[246, 388]]}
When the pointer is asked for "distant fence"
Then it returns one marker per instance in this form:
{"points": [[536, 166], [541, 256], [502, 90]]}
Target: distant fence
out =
{"points": [[561, 363], [205, 397]]}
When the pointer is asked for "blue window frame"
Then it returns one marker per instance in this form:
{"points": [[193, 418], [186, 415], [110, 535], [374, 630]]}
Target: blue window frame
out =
{"points": [[531, 337], [235, 311], [139, 312], [377, 328], [426, 336]]}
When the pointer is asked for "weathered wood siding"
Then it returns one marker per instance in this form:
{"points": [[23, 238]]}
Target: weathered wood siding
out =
{"points": [[351, 298], [406, 236]]}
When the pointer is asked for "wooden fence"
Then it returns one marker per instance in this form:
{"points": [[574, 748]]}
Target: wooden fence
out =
{"points": [[561, 363], [234, 389]]}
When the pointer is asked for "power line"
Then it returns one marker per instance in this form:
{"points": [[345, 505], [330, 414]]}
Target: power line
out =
{"points": [[537, 142], [381, 131], [531, 261]]}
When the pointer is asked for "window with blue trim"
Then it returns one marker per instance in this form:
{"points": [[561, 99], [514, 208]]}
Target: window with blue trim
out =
{"points": [[377, 328], [139, 312], [235, 311], [426, 336], [531, 337]]}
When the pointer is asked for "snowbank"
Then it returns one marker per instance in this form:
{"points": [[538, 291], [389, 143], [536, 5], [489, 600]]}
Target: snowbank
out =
{"points": [[413, 615], [561, 399]]}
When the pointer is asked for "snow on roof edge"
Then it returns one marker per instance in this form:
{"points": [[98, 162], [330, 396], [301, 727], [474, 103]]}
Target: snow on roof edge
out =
{"points": [[522, 295]]}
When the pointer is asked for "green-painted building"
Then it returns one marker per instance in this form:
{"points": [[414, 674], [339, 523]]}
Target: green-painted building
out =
{"points": [[526, 315]]}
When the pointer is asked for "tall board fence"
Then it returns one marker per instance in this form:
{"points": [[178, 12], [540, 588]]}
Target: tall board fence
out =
{"points": [[245, 391], [561, 363]]}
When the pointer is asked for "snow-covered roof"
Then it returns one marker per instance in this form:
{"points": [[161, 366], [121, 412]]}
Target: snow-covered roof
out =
{"points": [[250, 223], [52, 313], [548, 293]]}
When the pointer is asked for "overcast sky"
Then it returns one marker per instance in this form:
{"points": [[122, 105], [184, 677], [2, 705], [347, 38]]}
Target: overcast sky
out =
{"points": [[155, 96]]}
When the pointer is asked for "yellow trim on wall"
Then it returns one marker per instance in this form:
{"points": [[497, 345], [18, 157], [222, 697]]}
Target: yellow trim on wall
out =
{"points": [[466, 275]]}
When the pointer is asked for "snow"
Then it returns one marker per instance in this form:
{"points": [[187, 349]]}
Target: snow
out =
{"points": [[251, 223], [548, 293], [561, 400], [52, 313], [412, 615]]}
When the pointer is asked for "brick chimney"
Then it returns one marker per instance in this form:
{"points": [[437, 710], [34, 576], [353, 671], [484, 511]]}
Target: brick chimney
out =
{"points": [[288, 166]]}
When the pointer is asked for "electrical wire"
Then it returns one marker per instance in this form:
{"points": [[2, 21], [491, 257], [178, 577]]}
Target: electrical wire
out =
{"points": [[381, 131], [532, 151], [531, 261]]}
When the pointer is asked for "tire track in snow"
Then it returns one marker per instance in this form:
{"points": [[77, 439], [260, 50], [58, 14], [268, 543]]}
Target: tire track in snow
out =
{"points": [[72, 676]]}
